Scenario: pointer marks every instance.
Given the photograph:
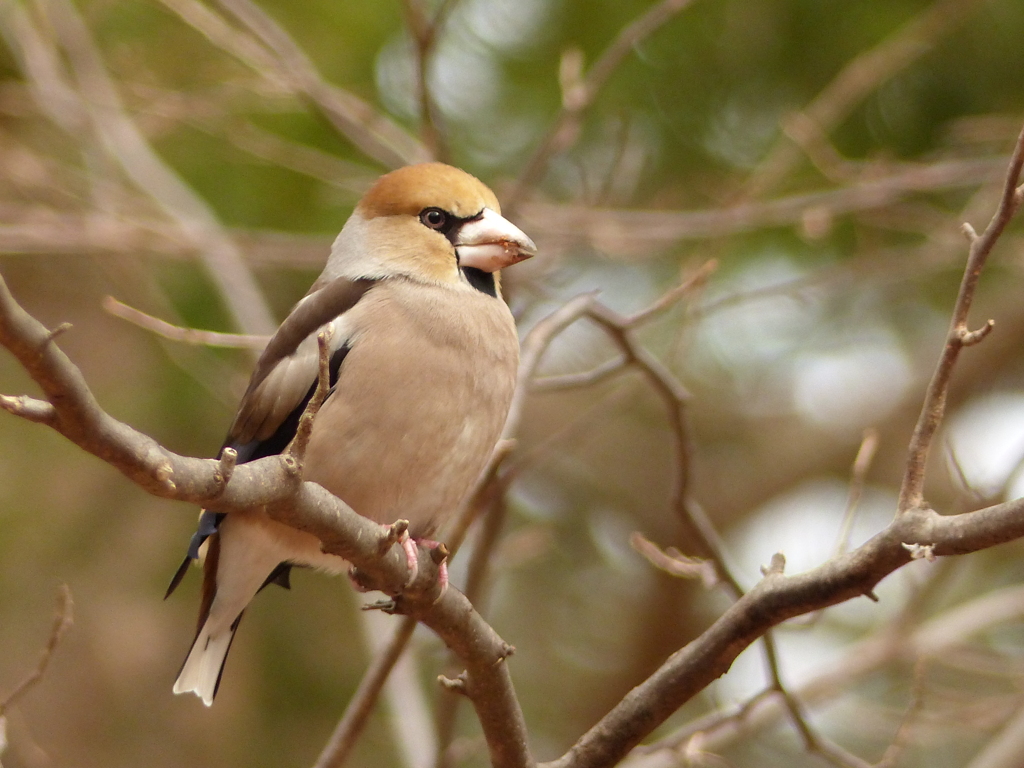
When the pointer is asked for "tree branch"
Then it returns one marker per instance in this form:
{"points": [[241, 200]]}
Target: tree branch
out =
{"points": [[934, 406], [577, 96], [916, 532], [61, 623], [852, 84], [773, 600], [275, 484], [346, 732], [628, 230], [178, 333], [269, 50], [425, 31]]}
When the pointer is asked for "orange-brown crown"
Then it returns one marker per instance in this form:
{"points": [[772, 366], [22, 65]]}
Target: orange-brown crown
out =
{"points": [[410, 189]]}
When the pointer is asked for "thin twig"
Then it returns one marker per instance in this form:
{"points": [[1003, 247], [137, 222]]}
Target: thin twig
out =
{"points": [[346, 733], [534, 345], [674, 397], [61, 623], [858, 474], [892, 754], [369, 130], [934, 406], [266, 48], [425, 31], [596, 375], [121, 138], [855, 81], [697, 279], [577, 98], [177, 333], [674, 562], [615, 230], [297, 447]]}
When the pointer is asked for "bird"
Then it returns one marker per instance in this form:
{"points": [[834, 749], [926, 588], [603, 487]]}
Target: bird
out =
{"points": [[423, 360]]}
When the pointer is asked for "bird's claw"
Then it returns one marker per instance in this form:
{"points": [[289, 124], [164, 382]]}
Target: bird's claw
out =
{"points": [[411, 559], [438, 553]]}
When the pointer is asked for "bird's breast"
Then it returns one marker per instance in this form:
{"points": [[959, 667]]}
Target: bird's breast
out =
{"points": [[420, 402]]}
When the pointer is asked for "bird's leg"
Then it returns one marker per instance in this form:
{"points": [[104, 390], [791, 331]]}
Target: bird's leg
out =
{"points": [[398, 533], [411, 558], [438, 553]]}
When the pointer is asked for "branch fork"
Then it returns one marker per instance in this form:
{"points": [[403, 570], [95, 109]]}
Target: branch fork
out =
{"points": [[274, 484], [970, 338]]}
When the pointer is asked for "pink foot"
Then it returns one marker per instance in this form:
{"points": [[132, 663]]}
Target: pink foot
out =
{"points": [[442, 578], [412, 555], [410, 559]]}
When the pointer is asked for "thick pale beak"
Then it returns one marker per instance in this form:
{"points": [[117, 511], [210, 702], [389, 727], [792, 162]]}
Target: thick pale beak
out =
{"points": [[491, 243]]}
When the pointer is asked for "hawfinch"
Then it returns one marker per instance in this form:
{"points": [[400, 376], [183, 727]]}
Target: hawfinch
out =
{"points": [[423, 358]]}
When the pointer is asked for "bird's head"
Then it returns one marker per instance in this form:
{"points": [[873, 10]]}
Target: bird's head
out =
{"points": [[429, 222]]}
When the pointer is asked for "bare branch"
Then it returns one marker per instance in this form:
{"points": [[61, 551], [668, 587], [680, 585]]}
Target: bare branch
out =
{"points": [[275, 484], [861, 465], [297, 447], [576, 100], [425, 32], [267, 49], [534, 346], [347, 731], [854, 82], [61, 623], [121, 139], [775, 599], [177, 333], [632, 231], [323, 166], [898, 640], [674, 397], [596, 375], [690, 284], [673, 562], [629, 234], [29, 408], [934, 406]]}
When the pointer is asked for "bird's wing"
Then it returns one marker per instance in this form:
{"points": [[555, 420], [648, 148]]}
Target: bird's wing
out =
{"points": [[287, 370], [281, 385]]}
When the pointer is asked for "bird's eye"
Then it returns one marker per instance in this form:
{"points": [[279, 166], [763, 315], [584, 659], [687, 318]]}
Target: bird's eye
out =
{"points": [[434, 218]]}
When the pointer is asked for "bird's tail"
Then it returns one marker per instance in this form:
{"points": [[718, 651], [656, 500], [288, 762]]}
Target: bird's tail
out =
{"points": [[204, 665], [242, 556]]}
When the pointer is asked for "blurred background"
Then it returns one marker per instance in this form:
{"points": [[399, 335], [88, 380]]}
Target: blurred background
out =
{"points": [[194, 161]]}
